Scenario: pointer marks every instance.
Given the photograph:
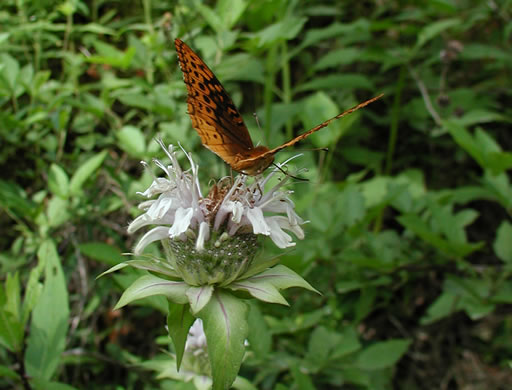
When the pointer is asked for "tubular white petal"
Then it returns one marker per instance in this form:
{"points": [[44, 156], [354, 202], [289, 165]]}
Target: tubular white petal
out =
{"points": [[181, 221], [259, 226], [237, 211], [204, 235], [144, 220], [158, 186], [158, 233], [160, 207], [280, 238]]}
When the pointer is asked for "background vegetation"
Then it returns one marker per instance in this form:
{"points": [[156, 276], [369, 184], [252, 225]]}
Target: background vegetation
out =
{"points": [[409, 240]]}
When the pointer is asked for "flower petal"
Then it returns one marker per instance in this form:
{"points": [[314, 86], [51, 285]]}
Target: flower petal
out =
{"points": [[155, 234], [281, 239], [259, 226], [204, 235], [181, 221], [160, 207]]}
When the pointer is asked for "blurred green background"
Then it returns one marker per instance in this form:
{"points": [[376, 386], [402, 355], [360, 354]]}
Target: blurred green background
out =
{"points": [[409, 239]]}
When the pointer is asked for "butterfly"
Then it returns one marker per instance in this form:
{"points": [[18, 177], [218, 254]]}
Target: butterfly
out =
{"points": [[220, 125]]}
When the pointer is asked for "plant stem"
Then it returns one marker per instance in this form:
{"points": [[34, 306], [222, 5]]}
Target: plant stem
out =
{"points": [[287, 90], [395, 119], [269, 90], [393, 135]]}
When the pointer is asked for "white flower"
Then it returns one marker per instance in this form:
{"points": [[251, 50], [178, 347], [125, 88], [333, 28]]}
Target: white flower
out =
{"points": [[180, 211], [196, 340]]}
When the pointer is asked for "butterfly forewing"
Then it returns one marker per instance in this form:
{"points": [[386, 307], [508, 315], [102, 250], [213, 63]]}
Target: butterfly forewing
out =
{"points": [[213, 113]]}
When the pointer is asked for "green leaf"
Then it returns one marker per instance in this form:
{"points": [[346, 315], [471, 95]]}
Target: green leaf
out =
{"points": [[11, 326], [383, 354], [478, 115], [225, 325], [115, 268], [41, 384], [85, 171], [13, 303], [179, 321], [316, 109], [33, 290], [338, 57], [136, 99], [4, 37], [198, 297], [57, 211], [99, 251], [499, 186], [241, 67], [348, 344], [345, 82], [503, 244], [353, 32], [14, 199], [149, 285], [286, 29], [478, 51], [9, 73], [153, 265], [301, 380], [353, 205], [58, 181], [259, 337], [132, 141], [451, 248], [446, 304], [210, 16], [50, 317], [94, 28], [265, 286], [434, 29], [321, 343], [243, 384], [483, 148], [109, 55], [230, 11], [7, 373]]}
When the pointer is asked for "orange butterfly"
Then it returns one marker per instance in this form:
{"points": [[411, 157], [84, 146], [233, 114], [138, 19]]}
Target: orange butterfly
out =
{"points": [[220, 125]]}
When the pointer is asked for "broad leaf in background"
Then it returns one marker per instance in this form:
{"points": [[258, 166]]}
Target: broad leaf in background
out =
{"points": [[50, 318], [132, 141], [382, 354], [85, 171], [503, 243]]}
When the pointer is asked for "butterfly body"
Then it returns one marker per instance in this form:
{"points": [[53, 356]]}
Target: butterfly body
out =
{"points": [[254, 161], [218, 122]]}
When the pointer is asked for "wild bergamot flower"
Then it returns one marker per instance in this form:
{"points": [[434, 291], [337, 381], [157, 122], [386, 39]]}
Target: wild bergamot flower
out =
{"points": [[210, 245]]}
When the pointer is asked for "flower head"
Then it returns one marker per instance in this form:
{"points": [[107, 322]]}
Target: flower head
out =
{"points": [[219, 230]]}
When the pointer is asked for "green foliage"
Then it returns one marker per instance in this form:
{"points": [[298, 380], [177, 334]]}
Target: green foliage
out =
{"points": [[409, 240]]}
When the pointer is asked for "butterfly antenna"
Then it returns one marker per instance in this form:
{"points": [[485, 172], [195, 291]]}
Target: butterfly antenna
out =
{"points": [[315, 150], [287, 174]]}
